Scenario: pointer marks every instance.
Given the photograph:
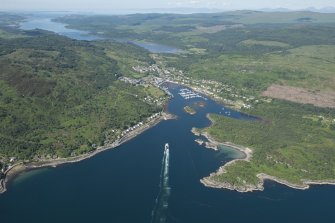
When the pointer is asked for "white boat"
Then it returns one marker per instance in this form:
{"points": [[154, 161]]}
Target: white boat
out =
{"points": [[166, 147]]}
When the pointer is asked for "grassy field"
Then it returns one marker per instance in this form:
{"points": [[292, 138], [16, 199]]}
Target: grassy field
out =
{"points": [[310, 67], [252, 43]]}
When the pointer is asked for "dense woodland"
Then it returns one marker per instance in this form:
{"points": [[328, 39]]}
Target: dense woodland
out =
{"points": [[58, 96]]}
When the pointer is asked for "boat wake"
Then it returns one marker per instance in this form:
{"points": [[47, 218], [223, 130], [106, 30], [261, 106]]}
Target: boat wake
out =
{"points": [[159, 213]]}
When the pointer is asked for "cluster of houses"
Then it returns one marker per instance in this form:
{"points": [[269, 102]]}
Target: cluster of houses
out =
{"points": [[145, 81], [189, 94], [4, 166], [155, 69], [130, 80], [131, 128], [219, 91], [138, 125], [154, 116]]}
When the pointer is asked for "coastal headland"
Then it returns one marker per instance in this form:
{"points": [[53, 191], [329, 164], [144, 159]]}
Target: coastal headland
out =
{"points": [[211, 180]]}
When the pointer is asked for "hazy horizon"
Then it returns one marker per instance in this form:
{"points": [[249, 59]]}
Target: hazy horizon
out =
{"points": [[164, 5]]}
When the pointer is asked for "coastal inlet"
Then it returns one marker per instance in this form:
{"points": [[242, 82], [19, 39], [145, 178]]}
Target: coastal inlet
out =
{"points": [[127, 185], [121, 185]]}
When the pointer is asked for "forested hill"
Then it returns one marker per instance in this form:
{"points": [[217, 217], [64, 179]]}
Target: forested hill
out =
{"points": [[58, 96]]}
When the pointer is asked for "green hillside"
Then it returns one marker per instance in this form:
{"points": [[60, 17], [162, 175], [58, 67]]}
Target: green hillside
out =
{"points": [[58, 97], [292, 142]]}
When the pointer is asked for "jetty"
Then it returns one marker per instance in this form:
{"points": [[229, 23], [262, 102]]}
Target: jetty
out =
{"points": [[189, 94]]}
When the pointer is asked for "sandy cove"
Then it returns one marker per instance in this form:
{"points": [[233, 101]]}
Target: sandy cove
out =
{"points": [[210, 182], [21, 167]]}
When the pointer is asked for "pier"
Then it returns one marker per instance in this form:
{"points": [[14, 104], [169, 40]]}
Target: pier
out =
{"points": [[189, 94]]}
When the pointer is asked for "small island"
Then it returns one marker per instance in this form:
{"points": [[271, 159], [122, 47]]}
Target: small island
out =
{"points": [[189, 110]]}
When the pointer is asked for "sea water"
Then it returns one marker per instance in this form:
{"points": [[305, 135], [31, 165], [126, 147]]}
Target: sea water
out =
{"points": [[123, 184]]}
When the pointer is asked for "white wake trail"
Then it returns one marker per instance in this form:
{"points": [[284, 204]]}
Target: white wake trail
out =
{"points": [[159, 213]]}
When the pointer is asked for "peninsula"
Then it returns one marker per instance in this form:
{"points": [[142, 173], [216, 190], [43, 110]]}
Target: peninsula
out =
{"points": [[262, 160]]}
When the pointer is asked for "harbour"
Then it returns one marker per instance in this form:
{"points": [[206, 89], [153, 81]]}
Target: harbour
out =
{"points": [[189, 94], [122, 185], [145, 179]]}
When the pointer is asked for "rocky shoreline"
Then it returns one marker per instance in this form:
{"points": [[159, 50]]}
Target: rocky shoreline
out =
{"points": [[22, 167], [210, 182]]}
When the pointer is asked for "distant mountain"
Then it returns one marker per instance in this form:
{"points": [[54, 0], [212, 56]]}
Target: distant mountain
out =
{"points": [[184, 10], [215, 10], [310, 9], [275, 10], [326, 10]]}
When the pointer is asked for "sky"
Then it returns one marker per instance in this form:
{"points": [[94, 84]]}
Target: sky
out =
{"points": [[106, 5]]}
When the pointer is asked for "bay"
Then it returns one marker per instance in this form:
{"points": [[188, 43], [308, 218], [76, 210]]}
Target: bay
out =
{"points": [[123, 184]]}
